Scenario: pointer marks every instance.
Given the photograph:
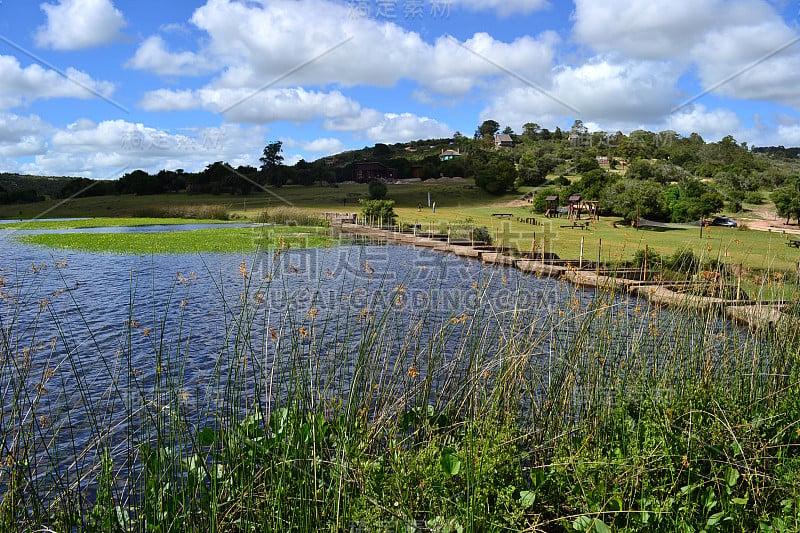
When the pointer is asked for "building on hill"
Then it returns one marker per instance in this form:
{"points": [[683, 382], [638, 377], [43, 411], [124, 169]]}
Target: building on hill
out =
{"points": [[503, 140], [373, 171], [580, 138], [447, 155]]}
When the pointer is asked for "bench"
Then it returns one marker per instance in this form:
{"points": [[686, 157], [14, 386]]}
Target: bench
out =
{"points": [[503, 215], [794, 243], [579, 225]]}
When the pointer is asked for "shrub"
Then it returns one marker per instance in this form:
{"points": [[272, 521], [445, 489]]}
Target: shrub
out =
{"points": [[653, 258], [683, 260], [754, 197], [482, 234], [378, 210], [377, 190]]}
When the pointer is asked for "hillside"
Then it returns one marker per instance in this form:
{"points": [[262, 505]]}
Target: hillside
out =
{"points": [[659, 176]]}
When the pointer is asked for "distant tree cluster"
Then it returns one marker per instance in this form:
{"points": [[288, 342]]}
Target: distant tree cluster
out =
{"points": [[660, 176], [19, 196]]}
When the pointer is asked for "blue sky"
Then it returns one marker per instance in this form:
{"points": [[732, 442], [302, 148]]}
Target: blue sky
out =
{"points": [[98, 88]]}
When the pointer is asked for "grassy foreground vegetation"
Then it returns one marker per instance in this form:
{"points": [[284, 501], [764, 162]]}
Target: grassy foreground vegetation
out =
{"points": [[596, 415]]}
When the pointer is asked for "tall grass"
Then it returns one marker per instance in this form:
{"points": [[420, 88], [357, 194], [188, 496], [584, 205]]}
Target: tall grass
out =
{"points": [[200, 212], [390, 404], [290, 216]]}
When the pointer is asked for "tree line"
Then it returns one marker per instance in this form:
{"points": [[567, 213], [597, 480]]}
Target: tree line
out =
{"points": [[661, 176]]}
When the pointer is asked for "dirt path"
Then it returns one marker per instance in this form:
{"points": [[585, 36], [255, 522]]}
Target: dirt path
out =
{"points": [[760, 218], [764, 218]]}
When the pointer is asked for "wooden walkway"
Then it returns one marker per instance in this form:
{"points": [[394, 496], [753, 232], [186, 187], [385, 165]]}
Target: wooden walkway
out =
{"points": [[673, 294]]}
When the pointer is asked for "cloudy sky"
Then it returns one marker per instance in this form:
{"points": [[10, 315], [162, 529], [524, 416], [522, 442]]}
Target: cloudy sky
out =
{"points": [[97, 88]]}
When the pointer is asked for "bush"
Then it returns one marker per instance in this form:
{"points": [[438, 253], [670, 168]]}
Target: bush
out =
{"points": [[734, 206], [755, 198], [482, 234], [377, 190], [683, 260], [378, 210], [653, 258]]}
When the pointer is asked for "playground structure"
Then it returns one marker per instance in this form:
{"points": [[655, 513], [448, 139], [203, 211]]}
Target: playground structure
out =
{"points": [[578, 206], [551, 205]]}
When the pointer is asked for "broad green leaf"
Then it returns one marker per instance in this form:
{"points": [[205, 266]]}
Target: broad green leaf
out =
{"points": [[527, 498], [450, 462], [601, 527], [741, 501], [278, 420], [582, 523], [714, 519], [731, 476], [206, 437]]}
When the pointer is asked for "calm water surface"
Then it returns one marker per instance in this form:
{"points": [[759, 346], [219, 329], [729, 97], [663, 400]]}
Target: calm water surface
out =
{"points": [[94, 328]]}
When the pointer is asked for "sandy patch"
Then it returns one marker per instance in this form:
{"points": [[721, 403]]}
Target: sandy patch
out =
{"points": [[764, 218]]}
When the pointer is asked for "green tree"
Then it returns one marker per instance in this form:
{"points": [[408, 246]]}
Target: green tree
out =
{"points": [[498, 176], [533, 168], [540, 198], [381, 151], [640, 169], [530, 130], [139, 182], [271, 163], [591, 185], [787, 200], [586, 163], [303, 173], [377, 190], [632, 198], [488, 128]]}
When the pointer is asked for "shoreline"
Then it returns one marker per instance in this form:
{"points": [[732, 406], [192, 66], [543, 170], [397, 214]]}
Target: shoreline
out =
{"points": [[755, 315]]}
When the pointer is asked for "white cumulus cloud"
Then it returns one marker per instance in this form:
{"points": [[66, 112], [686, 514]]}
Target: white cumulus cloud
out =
{"points": [[153, 55], [23, 85], [79, 24]]}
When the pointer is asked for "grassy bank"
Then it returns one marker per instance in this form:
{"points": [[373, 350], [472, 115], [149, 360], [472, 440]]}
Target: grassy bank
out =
{"points": [[106, 222], [594, 414], [217, 240]]}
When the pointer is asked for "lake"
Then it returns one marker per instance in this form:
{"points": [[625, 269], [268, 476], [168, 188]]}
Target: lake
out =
{"points": [[93, 344]]}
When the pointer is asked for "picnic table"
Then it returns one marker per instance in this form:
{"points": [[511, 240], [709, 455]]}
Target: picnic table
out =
{"points": [[503, 215], [793, 242]]}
